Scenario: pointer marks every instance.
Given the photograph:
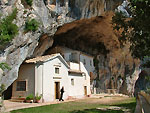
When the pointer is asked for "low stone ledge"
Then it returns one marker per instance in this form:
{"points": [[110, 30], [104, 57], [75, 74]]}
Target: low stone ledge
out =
{"points": [[111, 91]]}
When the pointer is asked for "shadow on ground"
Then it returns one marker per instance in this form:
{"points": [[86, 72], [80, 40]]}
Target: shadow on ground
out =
{"points": [[129, 107], [97, 111]]}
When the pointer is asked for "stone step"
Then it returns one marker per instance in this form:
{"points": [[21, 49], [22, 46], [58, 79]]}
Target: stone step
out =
{"points": [[16, 99]]}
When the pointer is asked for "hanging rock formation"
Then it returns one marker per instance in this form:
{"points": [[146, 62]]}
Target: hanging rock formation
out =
{"points": [[117, 69], [102, 41]]}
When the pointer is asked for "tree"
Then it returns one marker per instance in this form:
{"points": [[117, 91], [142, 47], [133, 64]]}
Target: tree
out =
{"points": [[136, 28]]}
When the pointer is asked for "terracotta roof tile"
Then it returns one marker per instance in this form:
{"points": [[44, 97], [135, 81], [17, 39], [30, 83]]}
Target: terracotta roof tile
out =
{"points": [[41, 58]]}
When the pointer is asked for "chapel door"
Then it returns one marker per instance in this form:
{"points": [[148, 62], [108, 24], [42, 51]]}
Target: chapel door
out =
{"points": [[57, 90], [85, 90]]}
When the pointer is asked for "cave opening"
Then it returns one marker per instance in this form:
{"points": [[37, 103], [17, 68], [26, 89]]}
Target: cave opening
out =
{"points": [[8, 93], [83, 35]]}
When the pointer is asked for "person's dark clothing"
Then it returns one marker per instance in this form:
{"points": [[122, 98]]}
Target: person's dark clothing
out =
{"points": [[61, 94]]}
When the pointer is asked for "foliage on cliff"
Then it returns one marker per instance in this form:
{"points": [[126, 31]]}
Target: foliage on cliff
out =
{"points": [[4, 66], [136, 29], [8, 30], [27, 3], [31, 25]]}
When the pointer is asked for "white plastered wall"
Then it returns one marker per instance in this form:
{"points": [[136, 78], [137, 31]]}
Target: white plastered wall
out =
{"points": [[50, 77], [86, 68], [76, 90], [26, 73], [38, 79]]}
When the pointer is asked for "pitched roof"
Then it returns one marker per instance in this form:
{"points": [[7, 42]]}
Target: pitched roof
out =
{"points": [[46, 58], [41, 58]]}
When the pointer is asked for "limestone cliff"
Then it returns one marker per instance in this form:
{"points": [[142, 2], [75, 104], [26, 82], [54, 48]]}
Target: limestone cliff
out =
{"points": [[116, 67], [102, 41], [91, 8]]}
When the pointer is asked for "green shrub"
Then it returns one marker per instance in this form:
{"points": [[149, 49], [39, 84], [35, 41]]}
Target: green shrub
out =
{"points": [[38, 97], [25, 11], [2, 89], [4, 66], [148, 90], [29, 2], [31, 25], [8, 30], [30, 97]]}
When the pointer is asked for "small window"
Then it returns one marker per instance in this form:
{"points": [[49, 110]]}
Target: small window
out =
{"points": [[72, 81], [84, 77], [57, 70], [21, 86], [70, 58], [84, 61], [90, 62], [62, 3]]}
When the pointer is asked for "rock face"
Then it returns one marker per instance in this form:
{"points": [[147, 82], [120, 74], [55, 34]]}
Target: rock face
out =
{"points": [[116, 68], [94, 36], [91, 8], [23, 44]]}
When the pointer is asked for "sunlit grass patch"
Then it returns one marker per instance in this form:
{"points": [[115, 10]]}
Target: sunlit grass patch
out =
{"points": [[83, 107]]}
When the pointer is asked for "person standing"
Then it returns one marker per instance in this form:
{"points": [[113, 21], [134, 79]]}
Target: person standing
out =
{"points": [[61, 94]]}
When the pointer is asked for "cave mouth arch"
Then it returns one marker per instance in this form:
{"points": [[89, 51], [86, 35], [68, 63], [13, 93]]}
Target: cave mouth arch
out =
{"points": [[94, 36], [84, 35]]}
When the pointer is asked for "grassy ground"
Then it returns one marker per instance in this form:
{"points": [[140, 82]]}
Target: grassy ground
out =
{"points": [[82, 106]]}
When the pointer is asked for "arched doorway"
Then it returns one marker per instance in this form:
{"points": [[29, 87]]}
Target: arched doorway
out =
{"points": [[8, 93]]}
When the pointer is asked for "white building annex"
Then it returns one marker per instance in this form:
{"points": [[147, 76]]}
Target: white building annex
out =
{"points": [[42, 75], [79, 62], [46, 75]]}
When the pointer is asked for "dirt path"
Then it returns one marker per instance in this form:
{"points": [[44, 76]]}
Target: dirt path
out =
{"points": [[98, 99], [105, 99], [10, 106]]}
